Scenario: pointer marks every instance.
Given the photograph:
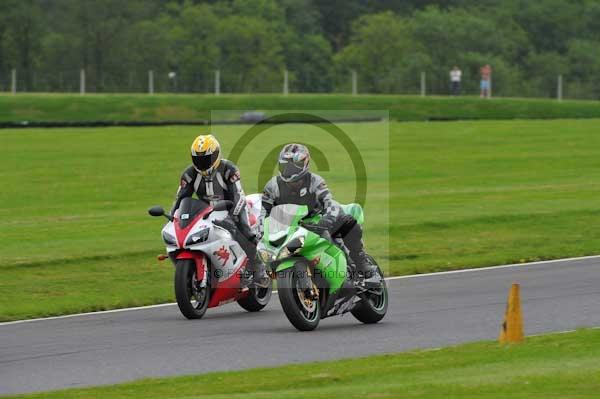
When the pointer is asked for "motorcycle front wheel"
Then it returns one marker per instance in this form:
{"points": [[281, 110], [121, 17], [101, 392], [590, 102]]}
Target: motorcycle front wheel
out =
{"points": [[192, 296], [302, 312]]}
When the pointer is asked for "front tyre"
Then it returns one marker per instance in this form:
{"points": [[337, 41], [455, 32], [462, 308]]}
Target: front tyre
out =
{"points": [[373, 306], [257, 298], [192, 297], [303, 313]]}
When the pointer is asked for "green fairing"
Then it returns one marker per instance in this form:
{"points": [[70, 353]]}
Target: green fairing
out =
{"points": [[286, 264], [355, 210], [300, 214], [310, 242], [313, 219], [332, 265]]}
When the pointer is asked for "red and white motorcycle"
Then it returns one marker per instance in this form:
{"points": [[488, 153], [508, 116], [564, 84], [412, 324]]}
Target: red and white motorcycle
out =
{"points": [[209, 262]]}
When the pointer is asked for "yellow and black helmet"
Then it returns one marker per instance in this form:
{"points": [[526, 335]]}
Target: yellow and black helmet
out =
{"points": [[206, 154]]}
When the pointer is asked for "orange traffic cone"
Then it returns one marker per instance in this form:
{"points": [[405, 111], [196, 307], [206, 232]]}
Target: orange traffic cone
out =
{"points": [[512, 328]]}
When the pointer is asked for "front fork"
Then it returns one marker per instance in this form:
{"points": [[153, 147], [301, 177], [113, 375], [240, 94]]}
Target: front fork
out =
{"points": [[305, 280], [303, 272]]}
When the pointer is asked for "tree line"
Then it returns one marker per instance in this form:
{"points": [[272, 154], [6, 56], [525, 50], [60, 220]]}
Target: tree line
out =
{"points": [[387, 42]]}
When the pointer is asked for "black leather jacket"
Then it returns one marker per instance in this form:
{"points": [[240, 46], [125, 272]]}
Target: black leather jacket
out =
{"points": [[223, 184], [310, 190]]}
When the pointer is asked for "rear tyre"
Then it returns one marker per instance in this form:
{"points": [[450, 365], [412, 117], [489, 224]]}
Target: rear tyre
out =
{"points": [[257, 299], [302, 313], [373, 306], [192, 298]]}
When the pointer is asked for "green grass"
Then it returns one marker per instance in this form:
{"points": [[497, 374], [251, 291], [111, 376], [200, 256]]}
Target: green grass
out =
{"points": [[544, 367], [127, 107], [76, 236], [485, 193]]}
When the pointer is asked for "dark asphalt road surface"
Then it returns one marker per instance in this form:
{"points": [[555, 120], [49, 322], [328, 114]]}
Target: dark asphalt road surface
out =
{"points": [[425, 312]]}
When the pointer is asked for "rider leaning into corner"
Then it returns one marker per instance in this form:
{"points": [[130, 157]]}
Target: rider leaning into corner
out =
{"points": [[297, 185], [214, 179]]}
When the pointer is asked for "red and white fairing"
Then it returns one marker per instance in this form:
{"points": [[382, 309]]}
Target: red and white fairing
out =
{"points": [[253, 204], [203, 241]]}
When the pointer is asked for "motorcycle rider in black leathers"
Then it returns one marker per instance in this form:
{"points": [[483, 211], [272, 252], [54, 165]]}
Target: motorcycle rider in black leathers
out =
{"points": [[297, 185], [215, 179]]}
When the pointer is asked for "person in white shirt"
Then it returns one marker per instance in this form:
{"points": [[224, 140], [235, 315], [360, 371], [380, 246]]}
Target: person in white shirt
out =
{"points": [[455, 76]]}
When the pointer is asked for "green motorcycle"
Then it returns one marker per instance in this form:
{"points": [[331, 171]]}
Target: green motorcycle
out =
{"points": [[314, 278]]}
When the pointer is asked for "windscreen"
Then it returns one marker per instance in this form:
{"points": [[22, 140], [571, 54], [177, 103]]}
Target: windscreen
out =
{"points": [[188, 209], [281, 217]]}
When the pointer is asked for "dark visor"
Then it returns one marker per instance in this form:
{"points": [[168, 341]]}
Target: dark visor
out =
{"points": [[290, 169], [204, 162]]}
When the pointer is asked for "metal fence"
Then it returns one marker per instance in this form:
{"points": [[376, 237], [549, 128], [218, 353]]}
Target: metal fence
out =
{"points": [[218, 82]]}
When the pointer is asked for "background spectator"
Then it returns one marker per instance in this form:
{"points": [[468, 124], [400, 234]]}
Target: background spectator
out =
{"points": [[486, 73], [455, 76]]}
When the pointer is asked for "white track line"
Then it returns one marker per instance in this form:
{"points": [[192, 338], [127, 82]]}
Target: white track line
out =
{"points": [[479, 269], [483, 269], [88, 313]]}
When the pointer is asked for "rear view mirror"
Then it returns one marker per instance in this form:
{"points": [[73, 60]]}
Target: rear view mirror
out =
{"points": [[156, 211]]}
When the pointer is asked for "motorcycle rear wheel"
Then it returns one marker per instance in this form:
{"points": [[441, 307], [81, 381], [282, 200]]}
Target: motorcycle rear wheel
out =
{"points": [[191, 299], [374, 306], [257, 299]]}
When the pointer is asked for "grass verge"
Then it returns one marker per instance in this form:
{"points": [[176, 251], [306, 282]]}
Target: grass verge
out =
{"points": [[544, 367], [131, 107]]}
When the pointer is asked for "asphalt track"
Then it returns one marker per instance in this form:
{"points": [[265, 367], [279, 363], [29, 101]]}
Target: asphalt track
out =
{"points": [[426, 311]]}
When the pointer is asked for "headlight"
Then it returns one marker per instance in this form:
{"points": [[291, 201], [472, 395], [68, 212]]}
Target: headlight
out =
{"points": [[197, 237], [265, 255], [284, 253], [291, 248], [168, 239]]}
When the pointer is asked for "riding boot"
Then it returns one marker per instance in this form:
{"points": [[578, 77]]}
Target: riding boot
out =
{"points": [[258, 273], [350, 260], [354, 243], [363, 264]]}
